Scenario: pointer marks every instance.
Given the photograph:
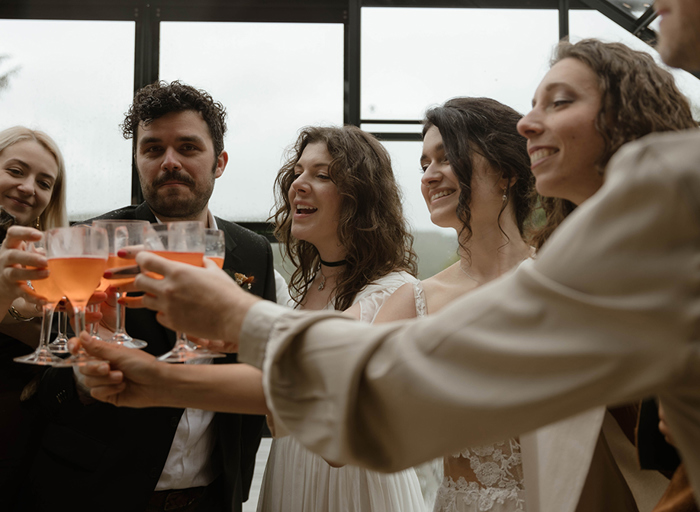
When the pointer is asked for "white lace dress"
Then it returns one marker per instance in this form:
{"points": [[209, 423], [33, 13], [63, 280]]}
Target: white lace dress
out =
{"points": [[297, 480], [480, 478]]}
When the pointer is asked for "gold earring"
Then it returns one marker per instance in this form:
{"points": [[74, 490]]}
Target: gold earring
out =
{"points": [[37, 224]]}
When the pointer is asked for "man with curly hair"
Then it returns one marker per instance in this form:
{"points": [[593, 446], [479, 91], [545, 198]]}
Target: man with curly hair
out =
{"points": [[158, 458]]}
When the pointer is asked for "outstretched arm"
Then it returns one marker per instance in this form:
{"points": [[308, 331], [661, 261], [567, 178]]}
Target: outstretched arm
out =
{"points": [[203, 302], [136, 379]]}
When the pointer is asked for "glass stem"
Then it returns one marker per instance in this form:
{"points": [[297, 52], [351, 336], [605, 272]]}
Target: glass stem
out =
{"points": [[94, 308], [46, 322], [120, 314], [182, 340], [62, 325], [79, 319]]}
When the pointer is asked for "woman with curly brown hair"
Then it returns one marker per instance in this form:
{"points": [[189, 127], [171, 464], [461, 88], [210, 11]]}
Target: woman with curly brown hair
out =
{"points": [[607, 95], [340, 220], [595, 98]]}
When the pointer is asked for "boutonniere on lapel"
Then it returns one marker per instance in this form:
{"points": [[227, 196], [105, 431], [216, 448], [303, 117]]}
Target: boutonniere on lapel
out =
{"points": [[243, 280]]}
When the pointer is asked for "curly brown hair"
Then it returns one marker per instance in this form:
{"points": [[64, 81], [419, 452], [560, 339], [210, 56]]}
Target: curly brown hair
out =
{"points": [[371, 226], [637, 98], [160, 98], [488, 128]]}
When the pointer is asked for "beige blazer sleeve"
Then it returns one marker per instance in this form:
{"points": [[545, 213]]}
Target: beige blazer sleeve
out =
{"points": [[607, 313]]}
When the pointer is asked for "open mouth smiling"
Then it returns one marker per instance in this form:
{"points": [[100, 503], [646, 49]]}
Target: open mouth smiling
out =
{"points": [[303, 209], [440, 194], [540, 154]]}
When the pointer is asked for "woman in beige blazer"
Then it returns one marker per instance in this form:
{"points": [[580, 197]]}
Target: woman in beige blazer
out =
{"points": [[595, 98]]}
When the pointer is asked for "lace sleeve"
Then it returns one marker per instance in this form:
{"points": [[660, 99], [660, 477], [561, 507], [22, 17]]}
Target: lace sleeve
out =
{"points": [[419, 296], [373, 296]]}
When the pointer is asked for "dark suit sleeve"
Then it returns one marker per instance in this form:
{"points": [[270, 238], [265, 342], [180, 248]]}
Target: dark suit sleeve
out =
{"points": [[270, 292]]}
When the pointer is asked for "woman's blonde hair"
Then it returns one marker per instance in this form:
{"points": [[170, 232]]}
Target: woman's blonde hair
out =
{"points": [[54, 215]]}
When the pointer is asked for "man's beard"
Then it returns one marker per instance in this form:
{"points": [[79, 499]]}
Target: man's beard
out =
{"points": [[173, 203]]}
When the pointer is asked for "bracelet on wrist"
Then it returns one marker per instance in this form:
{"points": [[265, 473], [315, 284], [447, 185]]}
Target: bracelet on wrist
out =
{"points": [[17, 315]]}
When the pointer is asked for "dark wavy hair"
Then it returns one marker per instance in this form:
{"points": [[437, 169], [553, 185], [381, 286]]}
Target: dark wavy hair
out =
{"points": [[638, 98], [160, 98], [488, 128], [371, 227]]}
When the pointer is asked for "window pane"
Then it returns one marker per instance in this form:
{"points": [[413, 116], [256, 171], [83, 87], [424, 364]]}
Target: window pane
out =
{"points": [[583, 24], [273, 79], [430, 55], [74, 80]]}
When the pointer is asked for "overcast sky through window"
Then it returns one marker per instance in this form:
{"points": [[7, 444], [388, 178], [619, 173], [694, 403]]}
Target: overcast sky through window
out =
{"points": [[74, 79]]}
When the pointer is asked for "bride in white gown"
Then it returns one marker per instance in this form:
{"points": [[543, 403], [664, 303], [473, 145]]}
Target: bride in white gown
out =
{"points": [[476, 180], [340, 221]]}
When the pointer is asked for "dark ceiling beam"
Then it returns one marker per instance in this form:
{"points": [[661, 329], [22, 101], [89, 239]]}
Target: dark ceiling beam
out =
{"points": [[483, 4], [289, 11], [623, 19], [283, 11], [645, 19], [68, 10]]}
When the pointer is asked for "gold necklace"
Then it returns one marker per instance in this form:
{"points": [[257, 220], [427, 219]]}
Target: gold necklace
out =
{"points": [[322, 284]]}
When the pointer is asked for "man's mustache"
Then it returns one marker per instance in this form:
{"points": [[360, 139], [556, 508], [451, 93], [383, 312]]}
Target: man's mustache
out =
{"points": [[173, 176]]}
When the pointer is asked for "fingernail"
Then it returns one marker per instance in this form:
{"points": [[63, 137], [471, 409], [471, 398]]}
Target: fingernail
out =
{"points": [[121, 253], [108, 274]]}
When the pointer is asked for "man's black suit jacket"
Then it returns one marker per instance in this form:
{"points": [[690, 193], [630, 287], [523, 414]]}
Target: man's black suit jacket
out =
{"points": [[98, 457]]}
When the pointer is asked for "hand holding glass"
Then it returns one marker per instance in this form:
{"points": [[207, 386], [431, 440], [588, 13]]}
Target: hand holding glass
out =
{"points": [[77, 259], [46, 288], [183, 242]]}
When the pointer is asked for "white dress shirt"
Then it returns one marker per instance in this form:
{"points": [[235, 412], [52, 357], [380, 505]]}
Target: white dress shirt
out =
{"points": [[189, 463]]}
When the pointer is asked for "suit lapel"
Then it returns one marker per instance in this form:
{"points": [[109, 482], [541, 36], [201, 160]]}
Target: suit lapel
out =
{"points": [[232, 259], [232, 263], [143, 212]]}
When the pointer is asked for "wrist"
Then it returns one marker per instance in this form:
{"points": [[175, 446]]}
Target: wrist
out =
{"points": [[167, 384], [234, 323]]}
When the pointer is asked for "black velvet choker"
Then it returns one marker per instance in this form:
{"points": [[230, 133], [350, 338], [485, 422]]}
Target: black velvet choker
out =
{"points": [[333, 263]]}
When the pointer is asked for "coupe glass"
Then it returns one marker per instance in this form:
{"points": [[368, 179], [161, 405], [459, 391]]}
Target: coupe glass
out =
{"points": [[183, 242], [77, 259], [122, 233], [215, 246], [46, 288]]}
